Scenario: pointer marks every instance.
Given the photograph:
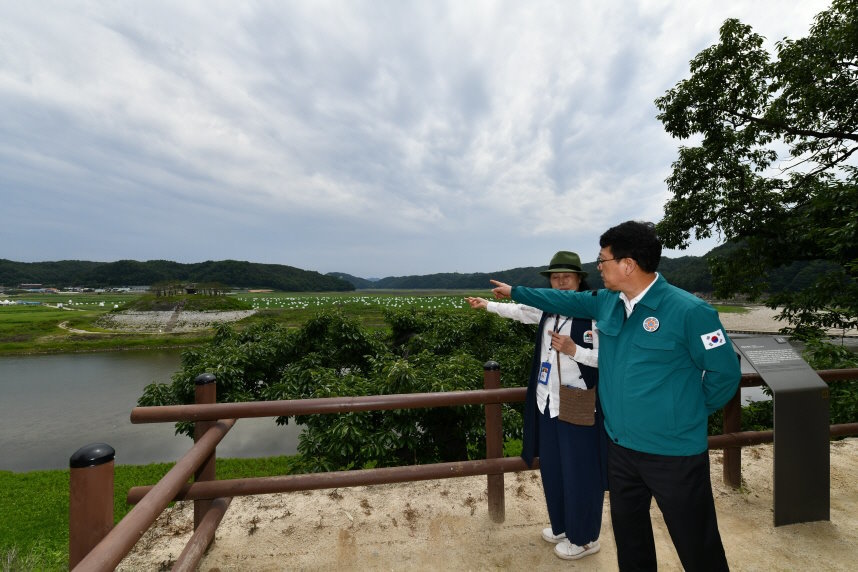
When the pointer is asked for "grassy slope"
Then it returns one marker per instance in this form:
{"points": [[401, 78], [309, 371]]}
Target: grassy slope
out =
{"points": [[37, 329], [34, 506]]}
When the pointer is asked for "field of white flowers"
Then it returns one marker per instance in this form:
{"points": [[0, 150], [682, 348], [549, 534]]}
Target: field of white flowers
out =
{"points": [[321, 301]]}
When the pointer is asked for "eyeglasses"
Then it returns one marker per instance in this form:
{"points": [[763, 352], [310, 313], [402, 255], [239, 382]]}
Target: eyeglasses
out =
{"points": [[599, 261]]}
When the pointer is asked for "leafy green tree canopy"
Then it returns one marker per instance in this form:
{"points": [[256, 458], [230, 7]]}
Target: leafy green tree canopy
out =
{"points": [[773, 169], [332, 355]]}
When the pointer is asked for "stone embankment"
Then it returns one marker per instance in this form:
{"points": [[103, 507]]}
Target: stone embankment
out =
{"points": [[162, 322]]}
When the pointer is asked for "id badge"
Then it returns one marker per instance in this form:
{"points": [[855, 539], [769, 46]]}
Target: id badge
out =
{"points": [[544, 371]]}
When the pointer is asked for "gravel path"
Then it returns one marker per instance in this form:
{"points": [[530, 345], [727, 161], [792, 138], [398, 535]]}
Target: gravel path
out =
{"points": [[760, 319], [756, 319]]}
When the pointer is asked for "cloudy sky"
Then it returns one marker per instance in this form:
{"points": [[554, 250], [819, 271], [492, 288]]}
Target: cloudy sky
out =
{"points": [[377, 138]]}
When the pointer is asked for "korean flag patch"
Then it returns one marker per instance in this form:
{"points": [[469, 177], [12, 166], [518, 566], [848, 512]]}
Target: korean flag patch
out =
{"points": [[713, 339]]}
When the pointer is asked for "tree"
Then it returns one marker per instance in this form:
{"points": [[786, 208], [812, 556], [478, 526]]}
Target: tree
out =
{"points": [[774, 172], [331, 355]]}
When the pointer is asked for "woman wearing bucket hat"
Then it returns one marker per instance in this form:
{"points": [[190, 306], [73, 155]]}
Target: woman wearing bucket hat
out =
{"points": [[572, 458]]}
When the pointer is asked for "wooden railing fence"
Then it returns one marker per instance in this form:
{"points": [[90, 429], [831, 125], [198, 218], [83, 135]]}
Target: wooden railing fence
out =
{"points": [[96, 545]]}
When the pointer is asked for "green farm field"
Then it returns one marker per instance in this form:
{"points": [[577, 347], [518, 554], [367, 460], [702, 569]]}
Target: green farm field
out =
{"points": [[57, 323], [294, 309]]}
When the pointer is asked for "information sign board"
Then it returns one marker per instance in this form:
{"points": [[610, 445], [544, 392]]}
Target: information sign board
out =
{"points": [[802, 463]]}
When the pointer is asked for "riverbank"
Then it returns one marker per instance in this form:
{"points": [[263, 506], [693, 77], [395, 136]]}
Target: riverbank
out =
{"points": [[444, 524]]}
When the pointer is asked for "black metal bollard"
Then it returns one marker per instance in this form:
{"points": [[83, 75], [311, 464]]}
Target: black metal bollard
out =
{"points": [[90, 498]]}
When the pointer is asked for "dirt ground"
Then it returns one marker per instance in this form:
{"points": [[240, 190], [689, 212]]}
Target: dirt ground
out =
{"points": [[444, 524]]}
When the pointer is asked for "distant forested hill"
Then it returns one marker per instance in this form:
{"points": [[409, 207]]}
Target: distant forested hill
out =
{"points": [[240, 274], [688, 272], [448, 281]]}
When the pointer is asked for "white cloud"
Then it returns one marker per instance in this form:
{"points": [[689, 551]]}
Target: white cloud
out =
{"points": [[375, 138]]}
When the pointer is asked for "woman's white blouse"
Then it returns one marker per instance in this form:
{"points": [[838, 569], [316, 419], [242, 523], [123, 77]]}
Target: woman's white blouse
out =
{"points": [[569, 371]]}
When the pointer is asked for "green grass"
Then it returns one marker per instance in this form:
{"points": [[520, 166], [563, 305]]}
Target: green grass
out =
{"points": [[36, 329], [192, 303], [34, 506], [28, 323], [294, 309], [730, 309]]}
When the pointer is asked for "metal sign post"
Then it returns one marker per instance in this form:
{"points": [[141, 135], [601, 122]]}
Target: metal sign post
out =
{"points": [[802, 464]]}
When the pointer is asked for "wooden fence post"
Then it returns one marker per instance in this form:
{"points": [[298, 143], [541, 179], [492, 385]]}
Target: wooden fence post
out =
{"points": [[733, 455], [494, 441], [205, 392], [90, 498]]}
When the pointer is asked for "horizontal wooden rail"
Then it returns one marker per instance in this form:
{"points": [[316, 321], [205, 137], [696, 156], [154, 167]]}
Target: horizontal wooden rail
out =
{"points": [[363, 477], [849, 374], [241, 487], [174, 485], [746, 438], [740, 439], [290, 408], [108, 553], [843, 429], [202, 537], [336, 479]]}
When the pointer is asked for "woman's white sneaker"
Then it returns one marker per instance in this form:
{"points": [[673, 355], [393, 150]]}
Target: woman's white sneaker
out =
{"points": [[549, 536], [568, 551]]}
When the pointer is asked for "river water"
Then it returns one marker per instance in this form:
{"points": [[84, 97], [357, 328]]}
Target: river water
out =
{"points": [[52, 405]]}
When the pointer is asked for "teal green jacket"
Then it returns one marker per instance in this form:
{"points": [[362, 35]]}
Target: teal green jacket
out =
{"points": [[662, 370]]}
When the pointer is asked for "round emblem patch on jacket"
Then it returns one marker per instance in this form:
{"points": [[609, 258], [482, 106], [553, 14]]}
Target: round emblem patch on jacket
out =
{"points": [[650, 324], [588, 337]]}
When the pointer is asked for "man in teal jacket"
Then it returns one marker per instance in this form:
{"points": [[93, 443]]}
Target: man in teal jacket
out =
{"points": [[665, 364]]}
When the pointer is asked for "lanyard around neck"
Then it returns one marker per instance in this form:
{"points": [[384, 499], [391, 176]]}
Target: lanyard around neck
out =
{"points": [[557, 327], [556, 320]]}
